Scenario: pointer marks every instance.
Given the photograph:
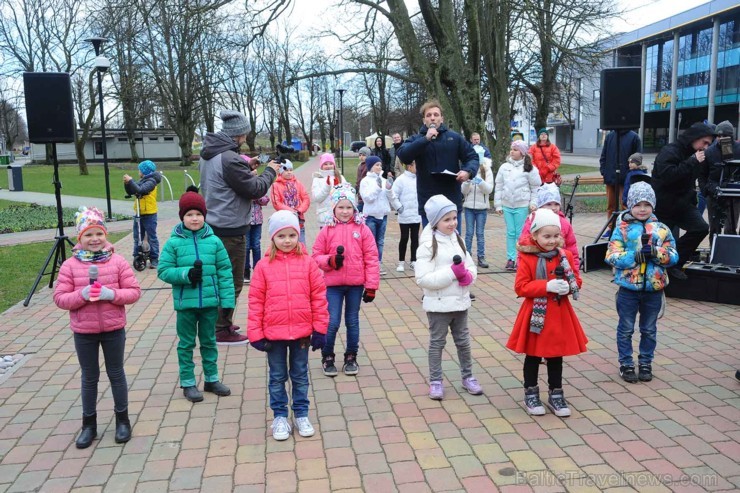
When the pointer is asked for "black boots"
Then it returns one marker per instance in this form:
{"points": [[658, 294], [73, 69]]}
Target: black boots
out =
{"points": [[217, 388], [89, 431], [350, 364], [123, 427]]}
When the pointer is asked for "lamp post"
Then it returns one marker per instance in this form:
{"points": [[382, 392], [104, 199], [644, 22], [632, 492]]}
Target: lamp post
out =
{"points": [[102, 64], [341, 128]]}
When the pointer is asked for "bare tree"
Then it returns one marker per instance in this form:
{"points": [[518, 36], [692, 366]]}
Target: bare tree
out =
{"points": [[279, 69]]}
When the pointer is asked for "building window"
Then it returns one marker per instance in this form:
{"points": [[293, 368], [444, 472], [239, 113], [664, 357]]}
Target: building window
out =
{"points": [[122, 139], [169, 139], [153, 139], [98, 147], [138, 139]]}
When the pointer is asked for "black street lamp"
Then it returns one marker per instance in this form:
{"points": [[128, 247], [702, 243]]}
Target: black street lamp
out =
{"points": [[102, 64], [341, 127]]}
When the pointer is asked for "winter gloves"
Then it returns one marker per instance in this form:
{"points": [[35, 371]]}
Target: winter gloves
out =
{"points": [[645, 253], [97, 292], [262, 345], [318, 340], [463, 275], [558, 286], [368, 296]]}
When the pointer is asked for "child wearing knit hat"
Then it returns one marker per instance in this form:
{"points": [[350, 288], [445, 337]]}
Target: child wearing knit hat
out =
{"points": [[287, 314], [345, 250], [637, 172], [547, 325], [145, 193], [95, 284], [195, 262], [641, 249], [289, 194], [445, 270]]}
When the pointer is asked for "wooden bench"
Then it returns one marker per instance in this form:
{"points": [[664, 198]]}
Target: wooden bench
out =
{"points": [[588, 180]]}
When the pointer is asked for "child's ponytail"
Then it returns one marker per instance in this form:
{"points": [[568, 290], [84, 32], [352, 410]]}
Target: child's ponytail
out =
{"points": [[527, 163]]}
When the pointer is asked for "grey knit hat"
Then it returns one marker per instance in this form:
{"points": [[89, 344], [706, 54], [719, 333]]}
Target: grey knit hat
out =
{"points": [[725, 128], [636, 158], [234, 123], [640, 192], [436, 208], [365, 151]]}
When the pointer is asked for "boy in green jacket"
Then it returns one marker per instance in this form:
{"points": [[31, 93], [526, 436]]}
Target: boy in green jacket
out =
{"points": [[197, 265]]}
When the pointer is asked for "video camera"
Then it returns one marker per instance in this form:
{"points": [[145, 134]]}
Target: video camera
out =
{"points": [[280, 156], [725, 146]]}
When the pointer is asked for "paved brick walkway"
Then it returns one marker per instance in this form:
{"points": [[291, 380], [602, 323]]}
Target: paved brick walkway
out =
{"points": [[379, 431]]}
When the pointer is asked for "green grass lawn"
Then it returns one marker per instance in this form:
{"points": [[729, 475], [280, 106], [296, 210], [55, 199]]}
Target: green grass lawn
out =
{"points": [[20, 216], [19, 266]]}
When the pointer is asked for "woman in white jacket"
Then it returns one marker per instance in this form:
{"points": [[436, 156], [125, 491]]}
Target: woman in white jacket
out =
{"points": [[475, 205], [377, 195], [409, 219], [323, 183], [515, 196]]}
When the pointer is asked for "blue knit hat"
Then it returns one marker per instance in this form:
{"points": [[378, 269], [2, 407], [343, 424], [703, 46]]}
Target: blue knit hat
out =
{"points": [[640, 192], [371, 161], [147, 167]]}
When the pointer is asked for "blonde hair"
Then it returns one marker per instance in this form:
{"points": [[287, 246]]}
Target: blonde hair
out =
{"points": [[298, 250], [432, 103]]}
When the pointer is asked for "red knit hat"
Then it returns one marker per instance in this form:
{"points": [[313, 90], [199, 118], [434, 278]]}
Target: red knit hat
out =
{"points": [[190, 201]]}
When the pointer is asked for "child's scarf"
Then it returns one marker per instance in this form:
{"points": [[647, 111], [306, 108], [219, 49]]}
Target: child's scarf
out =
{"points": [[87, 256], [539, 308]]}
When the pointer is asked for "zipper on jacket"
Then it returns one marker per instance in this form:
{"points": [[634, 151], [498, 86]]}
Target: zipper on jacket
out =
{"points": [[200, 284]]}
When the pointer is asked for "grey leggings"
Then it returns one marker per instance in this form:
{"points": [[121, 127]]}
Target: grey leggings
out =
{"points": [[457, 322], [88, 352]]}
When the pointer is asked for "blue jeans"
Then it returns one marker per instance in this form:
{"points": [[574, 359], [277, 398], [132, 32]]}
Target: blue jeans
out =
{"points": [[350, 297], [476, 219], [425, 221], [288, 358], [514, 218], [629, 303], [254, 238], [377, 227], [148, 225]]}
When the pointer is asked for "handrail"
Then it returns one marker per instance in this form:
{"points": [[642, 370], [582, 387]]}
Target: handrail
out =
{"points": [[172, 195]]}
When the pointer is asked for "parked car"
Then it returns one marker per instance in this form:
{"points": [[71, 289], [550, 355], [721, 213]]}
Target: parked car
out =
{"points": [[356, 145]]}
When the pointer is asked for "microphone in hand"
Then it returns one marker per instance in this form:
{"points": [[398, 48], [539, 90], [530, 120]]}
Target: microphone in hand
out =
{"points": [[433, 126], [457, 259], [195, 274], [92, 273], [641, 257], [339, 257], [559, 274]]}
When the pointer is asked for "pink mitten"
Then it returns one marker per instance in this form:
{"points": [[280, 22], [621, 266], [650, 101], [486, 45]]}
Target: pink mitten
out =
{"points": [[459, 270], [95, 291], [467, 280]]}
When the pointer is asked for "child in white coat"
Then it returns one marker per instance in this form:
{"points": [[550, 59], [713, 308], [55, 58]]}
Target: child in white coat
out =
{"points": [[409, 219], [515, 195], [475, 206], [445, 270], [377, 195]]}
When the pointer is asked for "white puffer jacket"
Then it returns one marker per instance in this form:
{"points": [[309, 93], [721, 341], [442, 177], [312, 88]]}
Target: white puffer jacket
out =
{"points": [[377, 199], [321, 196], [404, 189], [477, 195], [442, 291], [516, 187]]}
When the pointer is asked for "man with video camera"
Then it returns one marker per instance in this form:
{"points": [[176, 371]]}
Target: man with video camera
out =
{"points": [[723, 149], [675, 172], [229, 186]]}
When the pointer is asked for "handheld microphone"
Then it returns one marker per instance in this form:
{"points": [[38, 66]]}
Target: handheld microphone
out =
{"points": [[559, 272], [92, 273], [198, 266], [432, 125], [457, 259], [340, 250], [645, 240]]}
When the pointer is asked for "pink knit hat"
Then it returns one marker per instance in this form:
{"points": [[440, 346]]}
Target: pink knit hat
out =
{"points": [[327, 157], [520, 146]]}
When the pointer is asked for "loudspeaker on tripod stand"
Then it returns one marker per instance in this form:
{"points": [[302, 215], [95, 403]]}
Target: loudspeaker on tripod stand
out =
{"points": [[49, 107], [620, 98]]}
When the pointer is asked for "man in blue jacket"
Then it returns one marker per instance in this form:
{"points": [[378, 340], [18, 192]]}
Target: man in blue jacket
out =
{"points": [[444, 159]]}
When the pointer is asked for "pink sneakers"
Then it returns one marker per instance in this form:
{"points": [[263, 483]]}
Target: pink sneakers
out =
{"points": [[436, 390], [472, 386]]}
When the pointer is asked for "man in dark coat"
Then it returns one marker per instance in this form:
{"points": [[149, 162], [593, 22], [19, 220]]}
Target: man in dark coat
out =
{"points": [[676, 170], [444, 159], [229, 186], [615, 157], [709, 181]]}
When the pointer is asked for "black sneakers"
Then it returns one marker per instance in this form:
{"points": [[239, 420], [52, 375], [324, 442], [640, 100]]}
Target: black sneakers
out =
{"points": [[645, 373], [350, 364], [557, 404], [327, 364], [628, 374]]}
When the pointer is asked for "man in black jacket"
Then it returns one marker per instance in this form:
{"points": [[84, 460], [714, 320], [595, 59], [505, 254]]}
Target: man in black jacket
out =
{"points": [[676, 170]]}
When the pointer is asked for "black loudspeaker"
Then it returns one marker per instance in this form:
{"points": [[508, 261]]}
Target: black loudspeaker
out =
{"points": [[620, 98], [725, 250], [707, 282], [594, 255], [49, 108]]}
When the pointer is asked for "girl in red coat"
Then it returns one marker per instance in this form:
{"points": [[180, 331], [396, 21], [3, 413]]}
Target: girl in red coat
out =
{"points": [[289, 194], [95, 284], [346, 251], [546, 326], [545, 156], [287, 313]]}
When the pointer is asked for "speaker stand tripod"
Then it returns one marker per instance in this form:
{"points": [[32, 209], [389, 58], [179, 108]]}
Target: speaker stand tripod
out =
{"points": [[611, 222], [58, 251]]}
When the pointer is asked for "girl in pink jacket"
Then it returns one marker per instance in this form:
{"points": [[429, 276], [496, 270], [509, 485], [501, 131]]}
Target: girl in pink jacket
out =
{"points": [[548, 197], [346, 251], [94, 284], [287, 313]]}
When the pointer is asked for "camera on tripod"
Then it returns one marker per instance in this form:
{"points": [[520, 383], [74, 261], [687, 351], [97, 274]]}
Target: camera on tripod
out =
{"points": [[281, 154]]}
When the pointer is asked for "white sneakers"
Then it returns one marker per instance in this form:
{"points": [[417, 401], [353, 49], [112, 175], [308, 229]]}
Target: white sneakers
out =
{"points": [[281, 428], [401, 267], [304, 426], [412, 265]]}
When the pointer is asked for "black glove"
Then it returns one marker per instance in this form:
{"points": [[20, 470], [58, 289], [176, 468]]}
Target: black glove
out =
{"points": [[368, 296], [318, 340], [262, 345], [640, 257], [649, 251], [195, 275]]}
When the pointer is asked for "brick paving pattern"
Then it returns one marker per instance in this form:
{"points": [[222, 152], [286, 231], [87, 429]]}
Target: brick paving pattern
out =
{"points": [[379, 431]]}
